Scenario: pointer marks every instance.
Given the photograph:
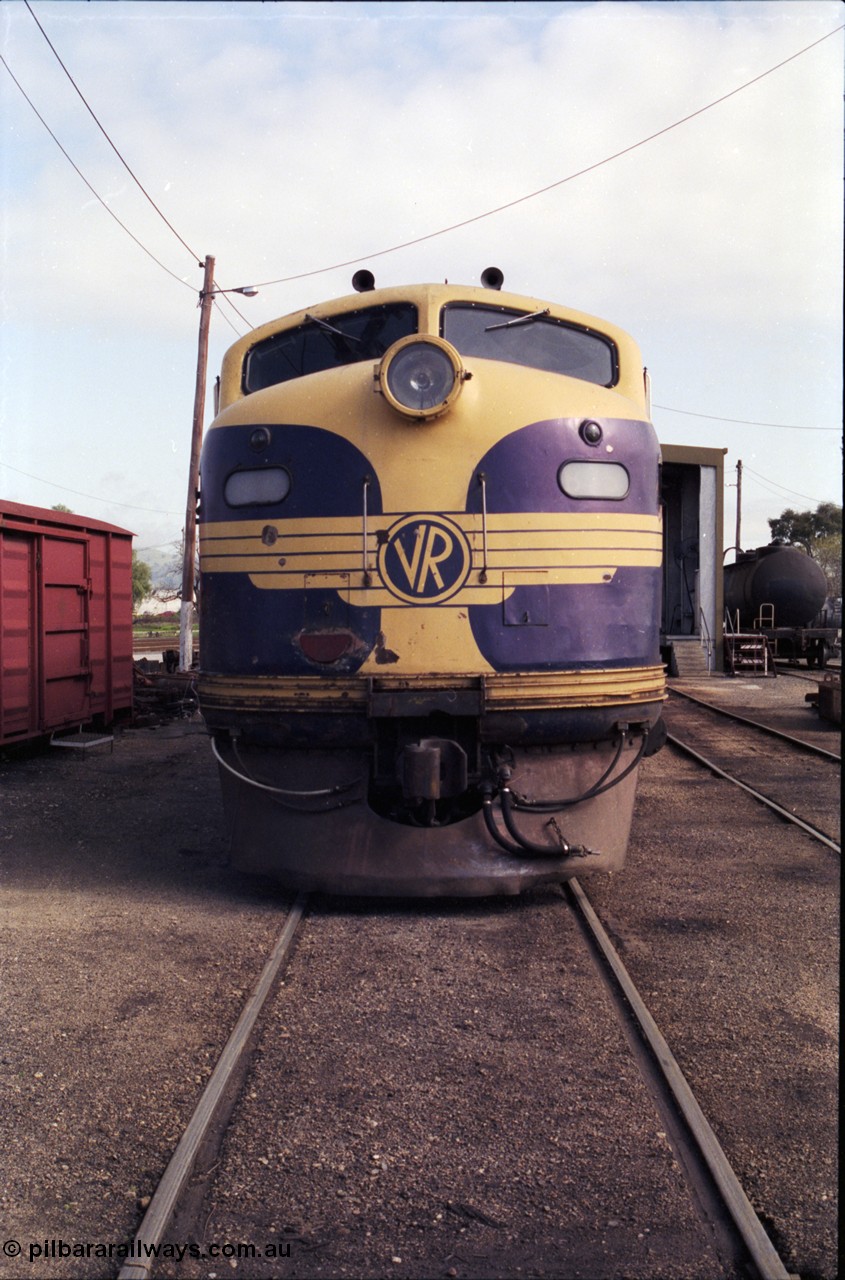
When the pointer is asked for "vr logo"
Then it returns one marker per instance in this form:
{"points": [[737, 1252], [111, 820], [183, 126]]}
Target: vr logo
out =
{"points": [[424, 559]]}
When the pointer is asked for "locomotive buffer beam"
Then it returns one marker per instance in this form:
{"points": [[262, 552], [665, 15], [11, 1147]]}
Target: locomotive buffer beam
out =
{"points": [[393, 703]]}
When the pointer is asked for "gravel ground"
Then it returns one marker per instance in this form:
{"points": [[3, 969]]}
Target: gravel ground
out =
{"points": [[792, 777], [438, 1084], [126, 949], [737, 950], [777, 700], [445, 1091]]}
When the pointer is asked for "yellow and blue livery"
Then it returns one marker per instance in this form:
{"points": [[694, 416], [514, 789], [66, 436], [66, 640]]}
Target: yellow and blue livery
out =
{"points": [[430, 555]]}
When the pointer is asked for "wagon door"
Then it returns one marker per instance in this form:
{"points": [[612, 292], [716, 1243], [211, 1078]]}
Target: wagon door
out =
{"points": [[18, 683], [65, 595]]}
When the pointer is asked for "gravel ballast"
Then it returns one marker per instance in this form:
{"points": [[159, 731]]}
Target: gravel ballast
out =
{"points": [[438, 1083]]}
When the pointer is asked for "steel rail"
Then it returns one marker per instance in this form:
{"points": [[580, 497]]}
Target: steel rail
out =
{"points": [[757, 795], [764, 728], [763, 1253], [811, 675], [145, 1244]]}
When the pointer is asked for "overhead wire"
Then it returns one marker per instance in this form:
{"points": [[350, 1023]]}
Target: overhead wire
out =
{"points": [[224, 297], [180, 279], [126, 166], [93, 191], [93, 116], [743, 422], [111, 502], [380, 253], [123, 161], [457, 225], [532, 195], [779, 495], [746, 470], [227, 319]]}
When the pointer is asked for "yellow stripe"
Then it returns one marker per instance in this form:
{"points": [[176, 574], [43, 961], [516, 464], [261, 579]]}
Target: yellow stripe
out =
{"points": [[520, 558], [558, 539], [288, 543], [575, 522], [499, 541], [298, 564], [580, 522], [523, 548], [470, 593], [500, 692], [585, 557], [569, 689]]}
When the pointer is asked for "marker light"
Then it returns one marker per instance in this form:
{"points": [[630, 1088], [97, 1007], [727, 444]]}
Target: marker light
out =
{"points": [[261, 487], [421, 377], [607, 480], [259, 439], [590, 432]]}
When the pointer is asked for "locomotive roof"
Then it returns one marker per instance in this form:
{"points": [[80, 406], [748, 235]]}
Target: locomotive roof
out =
{"points": [[429, 300]]}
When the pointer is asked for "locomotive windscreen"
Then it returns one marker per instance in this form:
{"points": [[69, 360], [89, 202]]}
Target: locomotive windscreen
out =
{"points": [[321, 344], [535, 340]]}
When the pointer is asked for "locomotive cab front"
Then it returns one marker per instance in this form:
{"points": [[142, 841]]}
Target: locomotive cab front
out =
{"points": [[430, 565]]}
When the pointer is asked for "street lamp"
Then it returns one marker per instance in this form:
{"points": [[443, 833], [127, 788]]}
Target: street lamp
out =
{"points": [[206, 298]]}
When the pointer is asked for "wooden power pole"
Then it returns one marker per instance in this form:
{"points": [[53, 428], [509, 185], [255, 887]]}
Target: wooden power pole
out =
{"points": [[186, 635], [738, 506]]}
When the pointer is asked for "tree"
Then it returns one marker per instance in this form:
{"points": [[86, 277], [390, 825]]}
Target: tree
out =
{"points": [[60, 506], [819, 533], [170, 579], [806, 528], [142, 580], [828, 553]]}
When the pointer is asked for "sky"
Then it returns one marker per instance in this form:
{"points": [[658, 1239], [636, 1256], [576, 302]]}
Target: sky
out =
{"points": [[287, 138]]}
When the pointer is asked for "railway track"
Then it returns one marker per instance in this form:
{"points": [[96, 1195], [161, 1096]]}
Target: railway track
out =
{"points": [[811, 676], [792, 740], [201, 1127], [732, 1239], [440, 1021], [796, 778], [707, 1167], [808, 675]]}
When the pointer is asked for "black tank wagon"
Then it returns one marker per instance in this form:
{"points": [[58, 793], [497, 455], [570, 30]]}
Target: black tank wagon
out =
{"points": [[779, 591]]}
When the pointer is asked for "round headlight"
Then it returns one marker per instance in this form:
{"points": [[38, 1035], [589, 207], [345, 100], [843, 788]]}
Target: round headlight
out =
{"points": [[421, 377]]}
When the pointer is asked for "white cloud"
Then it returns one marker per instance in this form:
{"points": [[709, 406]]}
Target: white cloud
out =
{"points": [[286, 137]]}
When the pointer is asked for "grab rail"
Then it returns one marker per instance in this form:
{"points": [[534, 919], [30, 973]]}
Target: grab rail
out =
{"points": [[706, 639]]}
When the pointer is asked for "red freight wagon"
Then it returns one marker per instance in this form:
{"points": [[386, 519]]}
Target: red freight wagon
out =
{"points": [[65, 621]]}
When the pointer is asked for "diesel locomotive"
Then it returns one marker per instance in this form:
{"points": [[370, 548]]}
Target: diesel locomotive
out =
{"points": [[430, 592]]}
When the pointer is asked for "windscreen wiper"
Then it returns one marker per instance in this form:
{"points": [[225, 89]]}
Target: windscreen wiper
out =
{"points": [[330, 328], [509, 324]]}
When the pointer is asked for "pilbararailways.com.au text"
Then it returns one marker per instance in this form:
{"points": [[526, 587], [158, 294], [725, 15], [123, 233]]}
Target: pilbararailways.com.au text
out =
{"points": [[140, 1250]]}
